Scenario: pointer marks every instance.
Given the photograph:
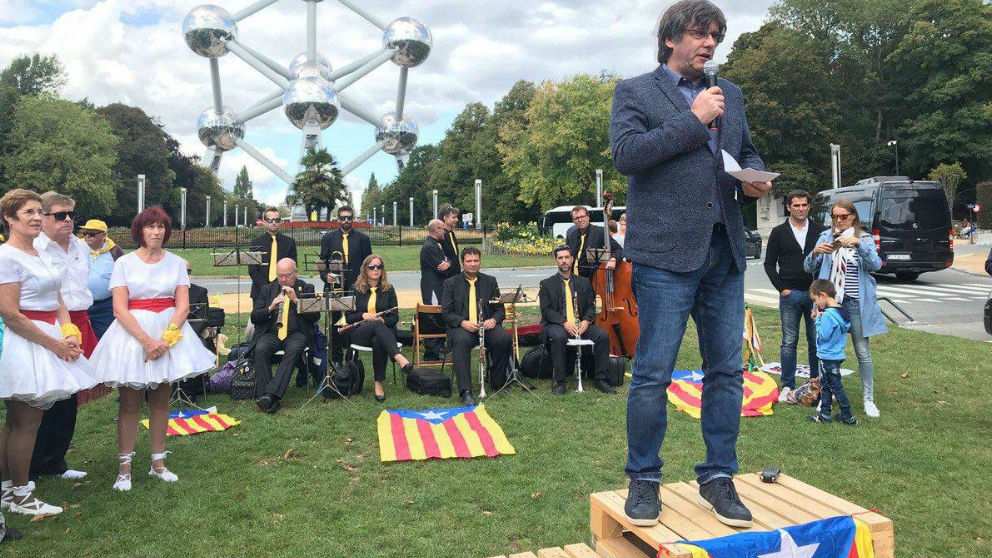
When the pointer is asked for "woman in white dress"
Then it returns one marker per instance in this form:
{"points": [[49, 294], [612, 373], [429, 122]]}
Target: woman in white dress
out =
{"points": [[149, 346], [41, 361]]}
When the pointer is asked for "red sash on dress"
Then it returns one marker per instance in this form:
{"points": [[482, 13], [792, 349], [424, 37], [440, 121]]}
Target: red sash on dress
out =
{"points": [[47, 316], [153, 304]]}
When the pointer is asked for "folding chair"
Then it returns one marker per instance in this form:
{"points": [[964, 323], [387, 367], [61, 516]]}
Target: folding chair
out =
{"points": [[427, 324]]}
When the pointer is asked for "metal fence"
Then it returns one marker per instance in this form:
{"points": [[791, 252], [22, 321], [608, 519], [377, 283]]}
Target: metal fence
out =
{"points": [[305, 234]]}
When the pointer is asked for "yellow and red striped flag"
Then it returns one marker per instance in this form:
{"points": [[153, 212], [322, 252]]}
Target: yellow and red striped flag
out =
{"points": [[184, 423], [440, 433], [686, 393]]}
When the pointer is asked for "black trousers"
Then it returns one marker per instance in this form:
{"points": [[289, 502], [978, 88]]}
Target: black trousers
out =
{"points": [[54, 435], [265, 347], [558, 338], [498, 346], [382, 339]]}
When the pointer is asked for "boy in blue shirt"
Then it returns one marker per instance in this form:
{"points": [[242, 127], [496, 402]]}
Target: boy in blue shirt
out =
{"points": [[831, 334]]}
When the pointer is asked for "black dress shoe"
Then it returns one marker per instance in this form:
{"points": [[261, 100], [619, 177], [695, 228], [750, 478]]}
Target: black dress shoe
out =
{"points": [[380, 398], [467, 399], [274, 407], [407, 369], [558, 388], [264, 403], [12, 534], [605, 387]]}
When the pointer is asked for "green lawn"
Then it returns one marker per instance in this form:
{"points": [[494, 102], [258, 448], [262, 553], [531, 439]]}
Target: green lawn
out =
{"points": [[398, 258], [309, 483]]}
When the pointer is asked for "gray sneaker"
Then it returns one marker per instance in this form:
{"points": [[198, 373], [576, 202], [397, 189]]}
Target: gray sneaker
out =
{"points": [[643, 504], [720, 495]]}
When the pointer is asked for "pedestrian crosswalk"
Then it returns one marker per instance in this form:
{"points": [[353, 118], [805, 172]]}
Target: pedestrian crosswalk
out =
{"points": [[902, 293]]}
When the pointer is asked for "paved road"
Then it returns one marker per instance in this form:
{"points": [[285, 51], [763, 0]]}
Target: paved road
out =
{"points": [[949, 302]]}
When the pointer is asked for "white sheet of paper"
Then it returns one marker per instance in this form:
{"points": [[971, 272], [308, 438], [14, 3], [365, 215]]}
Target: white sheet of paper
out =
{"points": [[734, 169]]}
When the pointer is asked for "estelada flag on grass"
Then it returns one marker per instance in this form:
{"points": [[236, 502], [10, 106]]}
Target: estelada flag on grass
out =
{"points": [[834, 537], [440, 433], [184, 423], [686, 391]]}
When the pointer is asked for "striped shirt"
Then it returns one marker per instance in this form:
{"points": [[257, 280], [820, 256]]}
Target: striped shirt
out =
{"points": [[851, 270]]}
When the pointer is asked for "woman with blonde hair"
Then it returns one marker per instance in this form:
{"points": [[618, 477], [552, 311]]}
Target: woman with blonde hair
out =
{"points": [[374, 294], [846, 255]]}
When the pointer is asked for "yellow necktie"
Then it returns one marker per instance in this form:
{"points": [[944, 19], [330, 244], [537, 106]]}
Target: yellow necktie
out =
{"points": [[569, 305], [453, 243], [344, 246], [473, 305], [284, 328], [372, 297], [272, 260], [582, 245]]}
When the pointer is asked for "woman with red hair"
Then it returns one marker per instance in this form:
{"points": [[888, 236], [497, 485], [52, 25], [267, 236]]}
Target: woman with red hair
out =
{"points": [[149, 346]]}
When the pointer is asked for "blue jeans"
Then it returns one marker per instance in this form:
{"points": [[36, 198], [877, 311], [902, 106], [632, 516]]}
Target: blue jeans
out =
{"points": [[714, 296], [831, 387], [792, 309], [866, 368]]}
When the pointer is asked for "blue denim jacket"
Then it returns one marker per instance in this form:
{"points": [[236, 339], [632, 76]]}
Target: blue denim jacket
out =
{"points": [[831, 334], [99, 278], [872, 322]]}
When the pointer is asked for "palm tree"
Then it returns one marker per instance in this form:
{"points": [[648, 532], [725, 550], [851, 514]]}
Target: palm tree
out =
{"points": [[320, 184]]}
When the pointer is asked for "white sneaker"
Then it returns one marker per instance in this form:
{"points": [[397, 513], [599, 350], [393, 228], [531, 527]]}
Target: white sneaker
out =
{"points": [[871, 410], [783, 395], [72, 474]]}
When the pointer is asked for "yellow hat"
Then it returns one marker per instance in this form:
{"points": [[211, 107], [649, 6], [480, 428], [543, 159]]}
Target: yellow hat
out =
{"points": [[94, 225]]}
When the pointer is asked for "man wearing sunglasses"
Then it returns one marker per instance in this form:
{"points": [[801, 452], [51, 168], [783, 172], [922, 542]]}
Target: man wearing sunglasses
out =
{"points": [[274, 246], [68, 256], [352, 247], [103, 253], [788, 245], [686, 240]]}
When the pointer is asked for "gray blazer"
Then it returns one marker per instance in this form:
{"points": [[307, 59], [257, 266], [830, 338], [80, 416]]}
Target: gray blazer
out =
{"points": [[673, 177]]}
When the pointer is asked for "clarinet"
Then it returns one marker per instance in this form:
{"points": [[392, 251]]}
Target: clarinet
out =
{"points": [[482, 353], [578, 348]]}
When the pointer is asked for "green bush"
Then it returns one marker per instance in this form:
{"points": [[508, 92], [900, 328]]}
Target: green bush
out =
{"points": [[984, 198]]}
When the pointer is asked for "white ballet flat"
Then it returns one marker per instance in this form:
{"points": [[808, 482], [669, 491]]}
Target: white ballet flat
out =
{"points": [[20, 505], [123, 482], [164, 474], [7, 494]]}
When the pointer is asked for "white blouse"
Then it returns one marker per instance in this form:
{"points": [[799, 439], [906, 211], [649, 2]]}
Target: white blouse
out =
{"points": [[73, 267], [39, 281], [157, 280]]}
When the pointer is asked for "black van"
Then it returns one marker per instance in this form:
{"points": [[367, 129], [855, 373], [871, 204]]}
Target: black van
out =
{"points": [[909, 219]]}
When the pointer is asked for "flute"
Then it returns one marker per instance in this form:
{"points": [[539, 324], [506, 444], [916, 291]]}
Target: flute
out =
{"points": [[345, 328]]}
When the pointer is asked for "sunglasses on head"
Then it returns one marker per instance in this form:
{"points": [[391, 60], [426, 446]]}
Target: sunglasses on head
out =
{"points": [[346, 217], [273, 219], [61, 215], [376, 266]]}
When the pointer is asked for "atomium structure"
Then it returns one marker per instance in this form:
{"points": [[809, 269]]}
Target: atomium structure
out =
{"points": [[310, 92]]}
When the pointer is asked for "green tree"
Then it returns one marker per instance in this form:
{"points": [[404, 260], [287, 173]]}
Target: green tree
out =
{"points": [[555, 157], [454, 172], [371, 196], [320, 185], [57, 145], [243, 187], [34, 75], [949, 177], [412, 182]]}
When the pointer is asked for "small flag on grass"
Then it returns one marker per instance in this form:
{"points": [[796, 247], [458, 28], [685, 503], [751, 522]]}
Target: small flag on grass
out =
{"points": [[841, 536], [184, 423], [686, 391], [440, 433]]}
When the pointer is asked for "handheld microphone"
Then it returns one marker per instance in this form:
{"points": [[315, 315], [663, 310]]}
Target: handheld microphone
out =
{"points": [[710, 69]]}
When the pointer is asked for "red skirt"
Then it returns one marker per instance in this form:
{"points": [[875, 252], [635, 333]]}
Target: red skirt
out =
{"points": [[81, 319]]}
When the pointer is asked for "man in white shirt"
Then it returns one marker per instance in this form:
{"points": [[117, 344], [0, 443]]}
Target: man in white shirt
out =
{"points": [[69, 257]]}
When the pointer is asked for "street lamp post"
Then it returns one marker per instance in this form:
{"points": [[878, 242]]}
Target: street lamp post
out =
{"points": [[141, 193], [182, 203], [206, 220], [478, 203], [599, 187], [225, 214], [895, 144], [382, 210], [375, 217], [394, 214], [235, 216], [835, 164], [411, 212], [434, 215]]}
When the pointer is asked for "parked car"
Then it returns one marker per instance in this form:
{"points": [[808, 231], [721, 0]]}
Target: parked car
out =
{"points": [[909, 219], [752, 244], [988, 315]]}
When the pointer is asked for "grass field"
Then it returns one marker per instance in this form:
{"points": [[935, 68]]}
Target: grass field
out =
{"points": [[308, 482], [398, 258]]}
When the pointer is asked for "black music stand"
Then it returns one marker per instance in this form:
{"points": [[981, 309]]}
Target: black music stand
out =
{"points": [[513, 377], [237, 258], [179, 395], [326, 304]]}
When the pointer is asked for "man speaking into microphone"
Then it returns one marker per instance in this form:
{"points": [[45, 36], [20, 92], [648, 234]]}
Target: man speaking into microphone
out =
{"points": [[685, 237]]}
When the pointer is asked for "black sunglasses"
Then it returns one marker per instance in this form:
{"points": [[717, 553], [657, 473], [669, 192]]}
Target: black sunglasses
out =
{"points": [[346, 217], [61, 215], [273, 219], [376, 266], [92, 233]]}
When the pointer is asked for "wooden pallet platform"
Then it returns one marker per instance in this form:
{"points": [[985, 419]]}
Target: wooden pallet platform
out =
{"points": [[580, 550], [773, 505]]}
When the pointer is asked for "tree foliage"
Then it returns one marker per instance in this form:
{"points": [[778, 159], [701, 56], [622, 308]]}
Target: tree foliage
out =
{"points": [[34, 75], [320, 185], [949, 177]]}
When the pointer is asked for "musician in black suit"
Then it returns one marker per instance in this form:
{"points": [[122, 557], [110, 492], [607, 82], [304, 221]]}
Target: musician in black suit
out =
{"points": [[449, 216], [285, 247], [277, 328], [373, 295], [347, 243], [568, 308], [199, 303], [585, 236], [434, 264], [461, 299]]}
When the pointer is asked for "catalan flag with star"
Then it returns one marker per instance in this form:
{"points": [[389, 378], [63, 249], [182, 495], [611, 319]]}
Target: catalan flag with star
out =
{"points": [[185, 423], [686, 393], [440, 433], [834, 537]]}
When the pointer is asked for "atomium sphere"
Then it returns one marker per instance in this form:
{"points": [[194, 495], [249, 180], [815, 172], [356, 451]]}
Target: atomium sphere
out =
{"points": [[300, 67], [412, 38], [311, 99], [400, 135], [219, 129], [207, 28]]}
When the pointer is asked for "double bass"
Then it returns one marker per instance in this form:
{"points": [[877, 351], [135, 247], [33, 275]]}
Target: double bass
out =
{"points": [[618, 315]]}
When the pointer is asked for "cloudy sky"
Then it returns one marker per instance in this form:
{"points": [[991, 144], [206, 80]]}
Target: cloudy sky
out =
{"points": [[132, 51]]}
